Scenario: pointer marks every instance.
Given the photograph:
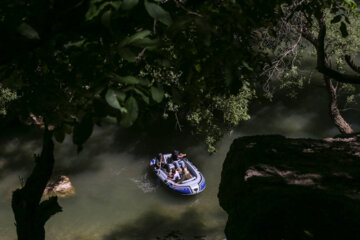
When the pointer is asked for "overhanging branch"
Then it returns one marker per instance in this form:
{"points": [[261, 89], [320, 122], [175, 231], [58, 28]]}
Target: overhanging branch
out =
{"points": [[352, 64], [322, 63]]}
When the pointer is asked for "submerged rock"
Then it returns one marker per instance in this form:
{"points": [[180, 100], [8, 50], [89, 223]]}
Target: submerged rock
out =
{"points": [[61, 187], [278, 188]]}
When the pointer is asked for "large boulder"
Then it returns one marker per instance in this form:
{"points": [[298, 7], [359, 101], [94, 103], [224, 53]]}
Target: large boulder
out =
{"points": [[273, 187], [60, 187]]}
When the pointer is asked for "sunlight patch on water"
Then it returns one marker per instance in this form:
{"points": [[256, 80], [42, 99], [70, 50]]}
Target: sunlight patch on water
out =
{"points": [[144, 184]]}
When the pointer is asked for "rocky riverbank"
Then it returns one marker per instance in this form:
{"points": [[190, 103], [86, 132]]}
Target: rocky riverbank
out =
{"points": [[273, 187]]}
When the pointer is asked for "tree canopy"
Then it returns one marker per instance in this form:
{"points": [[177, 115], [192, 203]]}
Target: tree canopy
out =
{"points": [[77, 63], [71, 64]]}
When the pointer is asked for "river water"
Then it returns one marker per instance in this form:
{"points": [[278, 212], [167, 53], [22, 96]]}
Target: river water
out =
{"points": [[116, 195]]}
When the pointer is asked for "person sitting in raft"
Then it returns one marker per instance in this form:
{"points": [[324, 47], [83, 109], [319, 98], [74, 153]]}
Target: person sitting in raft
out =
{"points": [[176, 159], [174, 175], [187, 174], [160, 160], [167, 161]]}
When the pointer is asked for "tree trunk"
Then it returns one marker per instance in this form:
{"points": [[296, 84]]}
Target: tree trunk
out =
{"points": [[334, 111], [31, 214], [324, 67]]}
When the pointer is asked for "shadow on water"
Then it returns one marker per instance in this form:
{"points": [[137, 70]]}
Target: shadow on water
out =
{"points": [[17, 148], [18, 145], [149, 140], [307, 115], [156, 225]]}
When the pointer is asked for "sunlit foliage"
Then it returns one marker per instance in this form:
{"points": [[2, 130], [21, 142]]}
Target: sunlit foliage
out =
{"points": [[6, 96]]}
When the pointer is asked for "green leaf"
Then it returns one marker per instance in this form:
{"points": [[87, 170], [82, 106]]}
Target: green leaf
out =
{"points": [[82, 131], [145, 42], [158, 13], [129, 80], [336, 19], [132, 112], [59, 135], [247, 66], [111, 99], [110, 119], [95, 9], [157, 94], [139, 35], [129, 4], [74, 44], [198, 67], [106, 19], [127, 54], [134, 37], [352, 4], [120, 95], [343, 30], [144, 97], [27, 31]]}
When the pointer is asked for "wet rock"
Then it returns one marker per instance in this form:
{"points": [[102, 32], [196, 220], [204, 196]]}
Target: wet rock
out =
{"points": [[60, 187], [306, 189]]}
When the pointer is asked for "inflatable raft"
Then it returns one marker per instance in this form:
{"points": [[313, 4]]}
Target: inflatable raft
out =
{"points": [[194, 185]]}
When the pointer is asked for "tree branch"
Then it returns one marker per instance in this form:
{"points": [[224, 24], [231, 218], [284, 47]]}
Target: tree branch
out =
{"points": [[310, 37], [49, 208], [36, 183], [352, 64], [138, 57], [178, 4], [322, 65], [347, 109], [321, 43]]}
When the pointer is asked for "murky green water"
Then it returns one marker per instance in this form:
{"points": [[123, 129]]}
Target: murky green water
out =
{"points": [[118, 198]]}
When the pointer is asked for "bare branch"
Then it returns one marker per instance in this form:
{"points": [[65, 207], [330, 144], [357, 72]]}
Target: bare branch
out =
{"points": [[138, 57], [178, 4], [348, 109], [154, 26], [290, 30], [178, 122]]}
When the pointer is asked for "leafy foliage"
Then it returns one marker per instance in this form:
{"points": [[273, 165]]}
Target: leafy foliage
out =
{"points": [[87, 62], [6, 96], [222, 114], [78, 65]]}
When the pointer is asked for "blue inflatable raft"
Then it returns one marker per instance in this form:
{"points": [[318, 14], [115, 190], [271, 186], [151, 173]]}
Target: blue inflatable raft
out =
{"points": [[191, 185]]}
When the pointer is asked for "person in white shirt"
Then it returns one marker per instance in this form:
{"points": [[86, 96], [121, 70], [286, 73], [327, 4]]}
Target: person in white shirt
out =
{"points": [[174, 175]]}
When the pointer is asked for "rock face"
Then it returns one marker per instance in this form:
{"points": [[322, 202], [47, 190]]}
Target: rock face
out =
{"points": [[61, 187], [278, 188]]}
